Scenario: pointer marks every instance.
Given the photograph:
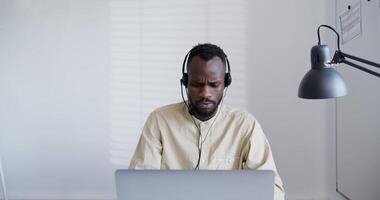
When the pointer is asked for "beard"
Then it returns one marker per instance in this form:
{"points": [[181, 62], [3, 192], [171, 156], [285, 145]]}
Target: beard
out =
{"points": [[205, 113]]}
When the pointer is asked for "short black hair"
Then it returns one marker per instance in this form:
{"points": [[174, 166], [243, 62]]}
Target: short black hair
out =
{"points": [[207, 51]]}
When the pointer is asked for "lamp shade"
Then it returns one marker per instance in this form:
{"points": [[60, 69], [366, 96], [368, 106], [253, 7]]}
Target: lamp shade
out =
{"points": [[322, 84], [322, 81]]}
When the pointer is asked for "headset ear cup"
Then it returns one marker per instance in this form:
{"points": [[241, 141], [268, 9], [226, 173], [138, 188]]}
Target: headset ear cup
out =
{"points": [[227, 80], [185, 79]]}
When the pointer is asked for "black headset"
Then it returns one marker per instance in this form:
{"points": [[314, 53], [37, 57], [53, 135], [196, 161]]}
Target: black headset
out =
{"points": [[227, 76], [185, 80]]}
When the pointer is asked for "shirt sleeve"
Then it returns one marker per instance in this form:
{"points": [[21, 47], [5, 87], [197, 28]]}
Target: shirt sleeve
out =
{"points": [[148, 152], [258, 155]]}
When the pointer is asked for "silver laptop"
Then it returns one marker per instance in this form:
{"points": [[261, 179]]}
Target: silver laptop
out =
{"points": [[194, 185]]}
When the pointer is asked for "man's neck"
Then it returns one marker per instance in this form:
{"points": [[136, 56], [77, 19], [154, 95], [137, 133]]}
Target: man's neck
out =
{"points": [[204, 118]]}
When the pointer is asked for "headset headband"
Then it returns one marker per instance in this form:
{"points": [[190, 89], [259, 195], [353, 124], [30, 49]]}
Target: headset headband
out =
{"points": [[187, 55]]}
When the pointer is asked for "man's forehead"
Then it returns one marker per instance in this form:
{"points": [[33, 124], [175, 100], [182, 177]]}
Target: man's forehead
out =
{"points": [[209, 77], [198, 79]]}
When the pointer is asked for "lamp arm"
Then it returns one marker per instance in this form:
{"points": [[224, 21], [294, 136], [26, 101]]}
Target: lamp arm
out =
{"points": [[361, 60], [339, 57], [361, 68]]}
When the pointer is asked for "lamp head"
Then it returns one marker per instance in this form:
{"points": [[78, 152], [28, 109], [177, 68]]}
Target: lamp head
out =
{"points": [[322, 81]]}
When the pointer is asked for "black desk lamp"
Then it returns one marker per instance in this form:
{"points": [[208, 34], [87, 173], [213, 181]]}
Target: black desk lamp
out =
{"points": [[323, 81]]}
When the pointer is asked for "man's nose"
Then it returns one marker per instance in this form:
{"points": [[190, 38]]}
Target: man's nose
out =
{"points": [[205, 92]]}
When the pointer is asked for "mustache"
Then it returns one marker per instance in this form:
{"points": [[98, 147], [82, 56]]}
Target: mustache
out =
{"points": [[205, 101]]}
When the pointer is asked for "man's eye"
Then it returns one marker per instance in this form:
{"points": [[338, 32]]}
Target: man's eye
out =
{"points": [[214, 84], [195, 84]]}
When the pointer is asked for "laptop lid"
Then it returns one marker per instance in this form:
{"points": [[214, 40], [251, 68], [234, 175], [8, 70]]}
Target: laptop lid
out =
{"points": [[194, 185]]}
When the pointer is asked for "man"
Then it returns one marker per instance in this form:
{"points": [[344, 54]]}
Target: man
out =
{"points": [[202, 133]]}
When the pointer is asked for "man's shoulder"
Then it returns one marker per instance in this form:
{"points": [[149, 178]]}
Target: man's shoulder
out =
{"points": [[170, 109], [238, 113]]}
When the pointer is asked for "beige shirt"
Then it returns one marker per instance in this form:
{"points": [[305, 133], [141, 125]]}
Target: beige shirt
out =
{"points": [[232, 139]]}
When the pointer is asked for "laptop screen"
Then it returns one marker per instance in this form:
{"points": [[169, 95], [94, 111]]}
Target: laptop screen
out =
{"points": [[194, 185]]}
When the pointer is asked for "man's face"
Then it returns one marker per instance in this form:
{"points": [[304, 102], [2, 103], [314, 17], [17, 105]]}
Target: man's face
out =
{"points": [[206, 85]]}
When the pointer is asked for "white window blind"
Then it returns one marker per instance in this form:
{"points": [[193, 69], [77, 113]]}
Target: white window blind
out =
{"points": [[149, 40]]}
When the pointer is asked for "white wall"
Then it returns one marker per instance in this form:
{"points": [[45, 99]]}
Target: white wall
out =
{"points": [[281, 35], [54, 99], [358, 112]]}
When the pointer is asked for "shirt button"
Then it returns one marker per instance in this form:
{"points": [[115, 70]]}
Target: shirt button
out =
{"points": [[203, 160]]}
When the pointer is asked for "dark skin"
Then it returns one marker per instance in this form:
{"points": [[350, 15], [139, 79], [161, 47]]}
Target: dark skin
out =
{"points": [[206, 86]]}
